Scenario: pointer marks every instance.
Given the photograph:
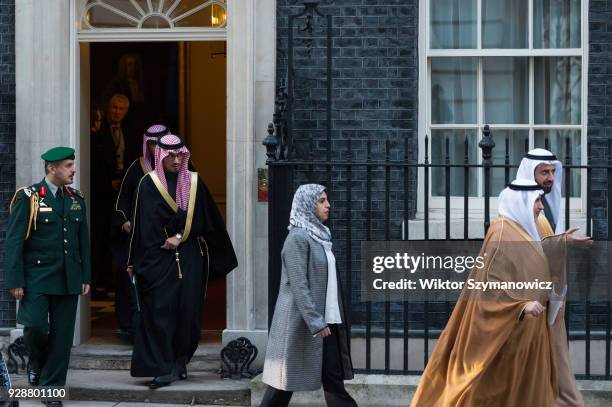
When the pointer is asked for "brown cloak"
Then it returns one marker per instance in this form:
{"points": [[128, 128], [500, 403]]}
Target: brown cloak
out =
{"points": [[487, 355], [554, 247]]}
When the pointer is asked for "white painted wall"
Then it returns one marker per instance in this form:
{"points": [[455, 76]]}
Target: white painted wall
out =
{"points": [[251, 71], [42, 65]]}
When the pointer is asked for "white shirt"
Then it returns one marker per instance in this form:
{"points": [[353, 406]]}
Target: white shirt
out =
{"points": [[52, 187], [332, 309]]}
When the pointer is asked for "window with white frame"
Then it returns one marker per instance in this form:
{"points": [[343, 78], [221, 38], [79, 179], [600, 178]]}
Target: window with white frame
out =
{"points": [[516, 65], [153, 14]]}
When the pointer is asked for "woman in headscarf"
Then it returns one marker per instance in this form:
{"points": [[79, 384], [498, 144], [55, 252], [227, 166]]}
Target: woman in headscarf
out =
{"points": [[497, 348], [308, 345]]}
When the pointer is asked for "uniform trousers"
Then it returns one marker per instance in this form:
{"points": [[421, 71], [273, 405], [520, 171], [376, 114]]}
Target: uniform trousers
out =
{"points": [[48, 331], [332, 379]]}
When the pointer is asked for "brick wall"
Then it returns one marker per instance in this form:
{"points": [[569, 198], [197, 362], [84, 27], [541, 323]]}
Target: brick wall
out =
{"points": [[600, 106], [7, 142], [599, 137], [375, 75]]}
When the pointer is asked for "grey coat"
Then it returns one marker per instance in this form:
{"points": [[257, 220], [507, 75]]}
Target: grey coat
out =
{"points": [[294, 357]]}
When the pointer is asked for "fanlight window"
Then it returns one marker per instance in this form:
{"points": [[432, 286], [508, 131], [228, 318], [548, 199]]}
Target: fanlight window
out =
{"points": [[154, 14]]}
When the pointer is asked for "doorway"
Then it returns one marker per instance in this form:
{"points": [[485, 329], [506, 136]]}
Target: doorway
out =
{"points": [[181, 85]]}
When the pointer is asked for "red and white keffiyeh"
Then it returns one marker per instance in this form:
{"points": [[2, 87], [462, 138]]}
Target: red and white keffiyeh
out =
{"points": [[165, 145], [153, 133]]}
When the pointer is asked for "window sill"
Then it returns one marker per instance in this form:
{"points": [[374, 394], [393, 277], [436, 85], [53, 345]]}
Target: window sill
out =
{"points": [[437, 224]]}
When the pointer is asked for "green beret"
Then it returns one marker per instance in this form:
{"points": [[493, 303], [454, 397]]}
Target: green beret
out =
{"points": [[58, 154]]}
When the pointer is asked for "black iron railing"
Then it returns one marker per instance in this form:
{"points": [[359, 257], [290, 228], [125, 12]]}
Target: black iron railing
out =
{"points": [[374, 191]]}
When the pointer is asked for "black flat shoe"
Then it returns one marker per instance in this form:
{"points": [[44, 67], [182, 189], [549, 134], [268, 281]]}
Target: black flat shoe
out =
{"points": [[183, 374], [160, 381], [33, 376]]}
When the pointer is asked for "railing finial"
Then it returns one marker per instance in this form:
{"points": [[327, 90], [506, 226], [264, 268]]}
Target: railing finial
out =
{"points": [[271, 144], [486, 144]]}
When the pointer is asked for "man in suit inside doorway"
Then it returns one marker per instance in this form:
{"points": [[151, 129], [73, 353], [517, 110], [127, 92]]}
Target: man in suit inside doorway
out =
{"points": [[111, 152]]}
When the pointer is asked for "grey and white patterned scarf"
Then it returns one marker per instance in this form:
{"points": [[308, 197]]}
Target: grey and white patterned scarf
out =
{"points": [[304, 212]]}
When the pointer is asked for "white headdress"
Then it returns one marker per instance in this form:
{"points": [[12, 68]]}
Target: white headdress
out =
{"points": [[516, 204], [526, 170]]}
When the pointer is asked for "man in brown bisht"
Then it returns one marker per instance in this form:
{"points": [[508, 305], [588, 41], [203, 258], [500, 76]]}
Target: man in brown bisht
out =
{"points": [[496, 349], [178, 240], [542, 166]]}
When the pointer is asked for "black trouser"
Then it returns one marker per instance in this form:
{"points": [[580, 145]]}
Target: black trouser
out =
{"points": [[332, 378], [125, 299]]}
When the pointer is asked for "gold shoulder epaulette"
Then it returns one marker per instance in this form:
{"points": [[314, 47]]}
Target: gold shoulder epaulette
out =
{"points": [[31, 193], [26, 190], [76, 191]]}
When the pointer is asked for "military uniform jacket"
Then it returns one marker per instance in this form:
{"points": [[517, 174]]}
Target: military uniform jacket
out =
{"points": [[55, 258]]}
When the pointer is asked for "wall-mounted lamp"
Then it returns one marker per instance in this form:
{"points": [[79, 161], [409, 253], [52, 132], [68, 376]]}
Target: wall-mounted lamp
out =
{"points": [[217, 15]]}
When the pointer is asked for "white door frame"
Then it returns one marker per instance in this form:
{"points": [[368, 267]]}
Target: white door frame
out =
{"points": [[240, 37]]}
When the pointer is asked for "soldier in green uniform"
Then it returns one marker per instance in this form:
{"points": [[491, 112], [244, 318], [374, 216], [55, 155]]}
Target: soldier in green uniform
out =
{"points": [[47, 265]]}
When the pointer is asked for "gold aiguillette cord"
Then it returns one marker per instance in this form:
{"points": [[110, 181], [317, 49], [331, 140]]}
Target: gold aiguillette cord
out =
{"points": [[34, 205]]}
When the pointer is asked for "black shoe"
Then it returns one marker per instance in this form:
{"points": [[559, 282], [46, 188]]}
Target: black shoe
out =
{"points": [[161, 381], [54, 403], [183, 374], [33, 376]]}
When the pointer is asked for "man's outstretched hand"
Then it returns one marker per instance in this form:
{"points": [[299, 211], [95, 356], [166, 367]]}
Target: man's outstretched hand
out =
{"points": [[578, 241]]}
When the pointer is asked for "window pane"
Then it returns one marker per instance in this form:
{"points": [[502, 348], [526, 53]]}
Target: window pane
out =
{"points": [[556, 24], [504, 24], [124, 6], [506, 90], [557, 90], [556, 142], [453, 90], [211, 16], [101, 17], [453, 24], [518, 145], [185, 6], [143, 5], [457, 156], [155, 22]]}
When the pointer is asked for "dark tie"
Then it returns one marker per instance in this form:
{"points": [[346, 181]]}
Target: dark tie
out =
{"points": [[116, 136], [59, 195]]}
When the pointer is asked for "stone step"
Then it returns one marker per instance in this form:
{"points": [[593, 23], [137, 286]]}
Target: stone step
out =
{"points": [[118, 386], [118, 357], [397, 391], [36, 403]]}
